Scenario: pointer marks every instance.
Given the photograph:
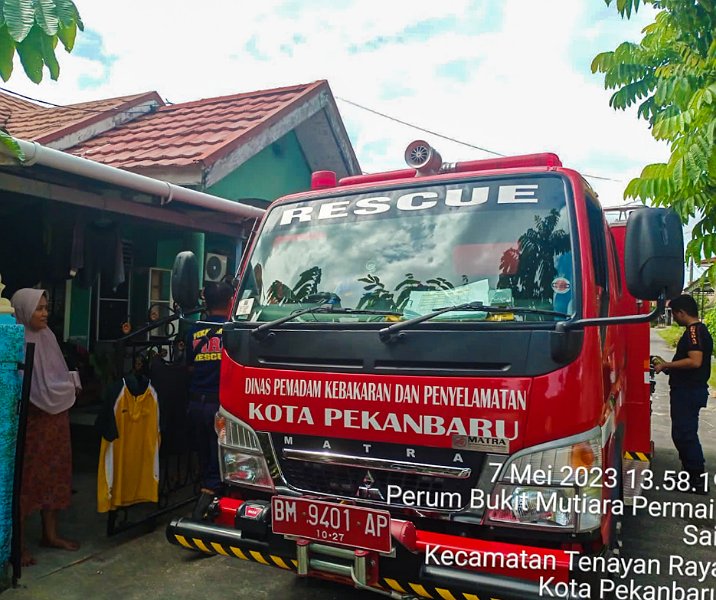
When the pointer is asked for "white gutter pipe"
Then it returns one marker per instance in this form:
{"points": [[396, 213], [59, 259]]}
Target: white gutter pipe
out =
{"points": [[49, 157]]}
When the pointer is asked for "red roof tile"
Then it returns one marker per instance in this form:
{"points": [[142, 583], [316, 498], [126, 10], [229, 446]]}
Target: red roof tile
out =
{"points": [[195, 132], [29, 121]]}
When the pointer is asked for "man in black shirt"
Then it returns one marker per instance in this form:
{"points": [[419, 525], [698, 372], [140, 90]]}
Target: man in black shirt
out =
{"points": [[689, 372], [204, 354]]}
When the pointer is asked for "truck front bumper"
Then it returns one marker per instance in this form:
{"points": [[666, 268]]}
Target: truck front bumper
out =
{"points": [[408, 571]]}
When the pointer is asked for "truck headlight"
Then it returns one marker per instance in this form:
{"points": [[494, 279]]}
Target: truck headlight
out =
{"points": [[244, 469], [576, 463], [536, 506], [241, 459], [553, 485]]}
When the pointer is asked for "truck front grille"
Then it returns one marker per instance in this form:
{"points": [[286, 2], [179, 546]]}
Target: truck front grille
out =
{"points": [[340, 480]]}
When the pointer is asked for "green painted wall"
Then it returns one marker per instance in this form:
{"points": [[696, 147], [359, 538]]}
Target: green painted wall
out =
{"points": [[167, 250], [277, 170], [195, 243], [80, 304]]}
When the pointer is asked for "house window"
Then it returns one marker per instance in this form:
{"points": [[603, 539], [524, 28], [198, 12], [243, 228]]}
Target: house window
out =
{"points": [[113, 303]]}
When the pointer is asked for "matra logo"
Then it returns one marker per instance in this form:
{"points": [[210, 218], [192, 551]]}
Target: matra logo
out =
{"points": [[483, 443], [461, 197]]}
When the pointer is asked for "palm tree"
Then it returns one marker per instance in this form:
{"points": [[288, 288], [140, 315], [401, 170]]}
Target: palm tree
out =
{"points": [[532, 263]]}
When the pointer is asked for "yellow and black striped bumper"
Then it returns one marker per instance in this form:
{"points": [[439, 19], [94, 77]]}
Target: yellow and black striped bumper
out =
{"points": [[642, 456], [405, 588], [271, 560], [402, 577], [426, 591]]}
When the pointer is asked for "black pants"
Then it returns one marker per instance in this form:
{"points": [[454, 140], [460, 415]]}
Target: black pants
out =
{"points": [[201, 411], [685, 406]]}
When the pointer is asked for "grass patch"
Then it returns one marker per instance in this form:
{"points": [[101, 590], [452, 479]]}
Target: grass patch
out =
{"points": [[671, 336]]}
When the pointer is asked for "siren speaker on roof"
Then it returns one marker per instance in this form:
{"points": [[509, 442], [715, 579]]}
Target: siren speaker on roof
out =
{"points": [[422, 157]]}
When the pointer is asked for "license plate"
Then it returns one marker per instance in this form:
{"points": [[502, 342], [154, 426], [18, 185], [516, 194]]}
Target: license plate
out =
{"points": [[342, 524]]}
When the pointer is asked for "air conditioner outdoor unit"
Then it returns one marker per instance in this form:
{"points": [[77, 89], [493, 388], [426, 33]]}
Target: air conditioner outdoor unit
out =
{"points": [[215, 266]]}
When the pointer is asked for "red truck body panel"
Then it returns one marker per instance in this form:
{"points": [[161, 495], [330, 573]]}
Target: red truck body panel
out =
{"points": [[604, 387], [638, 399]]}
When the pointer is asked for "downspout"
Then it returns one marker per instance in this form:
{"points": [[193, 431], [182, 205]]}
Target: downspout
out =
{"points": [[38, 154]]}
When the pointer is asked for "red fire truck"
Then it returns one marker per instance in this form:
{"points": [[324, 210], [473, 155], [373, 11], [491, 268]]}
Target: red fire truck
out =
{"points": [[435, 381]]}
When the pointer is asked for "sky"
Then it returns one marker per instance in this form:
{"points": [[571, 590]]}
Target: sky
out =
{"points": [[509, 76]]}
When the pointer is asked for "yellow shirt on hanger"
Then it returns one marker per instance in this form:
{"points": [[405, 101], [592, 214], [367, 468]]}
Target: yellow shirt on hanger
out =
{"points": [[128, 471]]}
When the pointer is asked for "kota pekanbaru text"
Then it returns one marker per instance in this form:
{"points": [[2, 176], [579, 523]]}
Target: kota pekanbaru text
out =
{"points": [[623, 591]]}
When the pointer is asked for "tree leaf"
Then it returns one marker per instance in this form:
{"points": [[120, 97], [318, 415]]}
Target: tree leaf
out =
{"points": [[693, 172], [30, 52], [602, 62], [647, 109], [9, 142], [678, 172], [19, 17], [68, 14], [47, 47], [67, 35], [46, 16], [629, 94], [7, 53]]}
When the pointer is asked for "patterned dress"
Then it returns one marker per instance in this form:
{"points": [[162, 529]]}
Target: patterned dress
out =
{"points": [[47, 466]]}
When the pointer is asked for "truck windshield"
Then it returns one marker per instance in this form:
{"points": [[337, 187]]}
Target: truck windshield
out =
{"points": [[409, 251]]}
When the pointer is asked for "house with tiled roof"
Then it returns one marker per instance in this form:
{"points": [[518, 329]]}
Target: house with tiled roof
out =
{"points": [[63, 126], [205, 143], [111, 190]]}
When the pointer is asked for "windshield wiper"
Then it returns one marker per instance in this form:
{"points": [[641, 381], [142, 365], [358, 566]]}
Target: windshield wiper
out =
{"points": [[361, 311], [262, 330], [387, 333]]}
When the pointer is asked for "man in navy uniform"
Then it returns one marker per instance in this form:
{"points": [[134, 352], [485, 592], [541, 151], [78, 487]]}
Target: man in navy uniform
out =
{"points": [[204, 353], [689, 373]]}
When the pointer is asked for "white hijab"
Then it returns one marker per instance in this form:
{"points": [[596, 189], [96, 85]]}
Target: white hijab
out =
{"points": [[52, 388]]}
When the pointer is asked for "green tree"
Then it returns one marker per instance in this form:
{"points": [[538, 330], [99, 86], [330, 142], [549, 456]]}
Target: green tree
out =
{"points": [[534, 260], [33, 28], [671, 75]]}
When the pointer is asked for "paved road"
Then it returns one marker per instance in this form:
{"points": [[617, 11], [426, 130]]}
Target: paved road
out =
{"points": [[148, 567]]}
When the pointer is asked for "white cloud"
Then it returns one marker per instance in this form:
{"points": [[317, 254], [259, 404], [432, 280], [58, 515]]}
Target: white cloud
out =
{"points": [[520, 89]]}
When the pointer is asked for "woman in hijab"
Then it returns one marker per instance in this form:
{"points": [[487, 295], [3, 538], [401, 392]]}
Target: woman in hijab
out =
{"points": [[47, 461]]}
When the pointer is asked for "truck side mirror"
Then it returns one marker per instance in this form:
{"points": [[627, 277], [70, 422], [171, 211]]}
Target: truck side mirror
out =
{"points": [[654, 254], [185, 281]]}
